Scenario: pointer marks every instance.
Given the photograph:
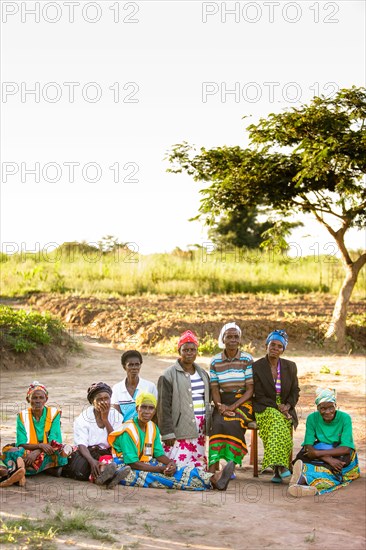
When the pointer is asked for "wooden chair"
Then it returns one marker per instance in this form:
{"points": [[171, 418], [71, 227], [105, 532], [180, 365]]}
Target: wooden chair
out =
{"points": [[253, 457]]}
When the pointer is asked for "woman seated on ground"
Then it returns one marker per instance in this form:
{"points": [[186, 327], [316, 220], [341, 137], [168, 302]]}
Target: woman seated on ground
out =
{"points": [[276, 392], [231, 381], [328, 460], [38, 436], [125, 392], [93, 458], [184, 408], [138, 446]]}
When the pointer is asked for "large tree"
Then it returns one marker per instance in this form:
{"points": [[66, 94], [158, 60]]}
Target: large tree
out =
{"points": [[310, 159]]}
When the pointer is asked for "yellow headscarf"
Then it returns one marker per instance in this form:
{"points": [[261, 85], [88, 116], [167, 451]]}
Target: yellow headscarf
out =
{"points": [[146, 398]]}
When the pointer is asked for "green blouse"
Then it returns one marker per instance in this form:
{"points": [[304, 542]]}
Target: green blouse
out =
{"points": [[125, 445], [339, 430], [39, 425]]}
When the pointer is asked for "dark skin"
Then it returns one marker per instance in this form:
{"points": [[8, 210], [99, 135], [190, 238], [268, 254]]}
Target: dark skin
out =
{"points": [[37, 400], [146, 412], [102, 405], [328, 412], [188, 354], [274, 351], [231, 340], [132, 368]]}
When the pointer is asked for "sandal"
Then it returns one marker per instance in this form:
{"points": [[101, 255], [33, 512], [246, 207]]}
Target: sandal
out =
{"points": [[118, 476], [107, 474], [227, 472]]}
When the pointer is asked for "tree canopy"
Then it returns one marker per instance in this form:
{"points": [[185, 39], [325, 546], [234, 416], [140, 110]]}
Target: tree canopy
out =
{"points": [[310, 159]]}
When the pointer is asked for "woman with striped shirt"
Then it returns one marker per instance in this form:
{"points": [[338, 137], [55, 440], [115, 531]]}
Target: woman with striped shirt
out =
{"points": [[184, 406]]}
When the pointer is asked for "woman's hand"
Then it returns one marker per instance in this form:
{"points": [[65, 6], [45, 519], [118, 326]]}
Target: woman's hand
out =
{"points": [[169, 442], [333, 462], [170, 468], [103, 409], [311, 452], [46, 448], [95, 467], [31, 457]]}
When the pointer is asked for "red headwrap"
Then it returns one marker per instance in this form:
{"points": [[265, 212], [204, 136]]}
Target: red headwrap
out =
{"points": [[187, 337]]}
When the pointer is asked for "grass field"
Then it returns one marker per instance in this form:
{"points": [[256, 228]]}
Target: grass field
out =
{"points": [[88, 271]]}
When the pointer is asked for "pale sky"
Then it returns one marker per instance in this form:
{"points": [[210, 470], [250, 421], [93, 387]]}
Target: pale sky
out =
{"points": [[159, 75]]}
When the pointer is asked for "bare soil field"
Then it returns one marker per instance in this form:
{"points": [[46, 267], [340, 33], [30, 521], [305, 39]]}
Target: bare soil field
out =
{"points": [[144, 322], [253, 513]]}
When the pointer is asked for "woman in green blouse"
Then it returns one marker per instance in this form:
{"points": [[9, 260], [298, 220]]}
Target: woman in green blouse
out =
{"points": [[138, 445], [329, 459]]}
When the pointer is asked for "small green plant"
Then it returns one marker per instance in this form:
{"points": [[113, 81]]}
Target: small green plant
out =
{"points": [[324, 370], [22, 331], [208, 346], [310, 537], [27, 532]]}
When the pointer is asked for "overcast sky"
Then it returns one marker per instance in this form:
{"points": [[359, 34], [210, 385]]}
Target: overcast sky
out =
{"points": [[95, 93]]}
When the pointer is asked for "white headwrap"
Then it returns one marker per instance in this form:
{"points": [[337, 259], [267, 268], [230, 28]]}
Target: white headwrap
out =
{"points": [[224, 329]]}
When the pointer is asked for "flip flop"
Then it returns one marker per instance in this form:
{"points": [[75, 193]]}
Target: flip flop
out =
{"points": [[276, 479], [107, 474], [302, 491], [285, 474], [227, 472], [118, 476], [297, 473]]}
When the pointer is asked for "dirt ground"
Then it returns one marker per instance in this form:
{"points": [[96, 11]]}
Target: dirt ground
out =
{"points": [[253, 513]]}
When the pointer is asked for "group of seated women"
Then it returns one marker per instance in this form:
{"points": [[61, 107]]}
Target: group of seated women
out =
{"points": [[138, 435]]}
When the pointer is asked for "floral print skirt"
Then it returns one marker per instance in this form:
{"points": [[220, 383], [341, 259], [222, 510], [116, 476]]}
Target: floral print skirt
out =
{"points": [[189, 452]]}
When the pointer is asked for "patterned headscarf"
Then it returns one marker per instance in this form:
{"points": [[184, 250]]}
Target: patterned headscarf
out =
{"points": [[224, 329], [145, 398], [97, 387], [187, 337], [35, 386], [278, 335], [325, 395]]}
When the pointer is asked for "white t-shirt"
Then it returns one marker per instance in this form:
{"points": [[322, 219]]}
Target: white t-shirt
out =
{"points": [[121, 396], [87, 431]]}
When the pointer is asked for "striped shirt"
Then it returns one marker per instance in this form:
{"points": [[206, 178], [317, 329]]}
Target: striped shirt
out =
{"points": [[198, 394], [231, 375]]}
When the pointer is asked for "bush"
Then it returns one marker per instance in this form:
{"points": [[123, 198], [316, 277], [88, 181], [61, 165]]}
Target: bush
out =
{"points": [[22, 331]]}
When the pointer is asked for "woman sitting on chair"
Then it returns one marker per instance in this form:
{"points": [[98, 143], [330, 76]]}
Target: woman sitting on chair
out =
{"points": [[276, 392]]}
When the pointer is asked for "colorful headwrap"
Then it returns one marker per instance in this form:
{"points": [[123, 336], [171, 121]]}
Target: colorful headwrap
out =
{"points": [[97, 387], [224, 329], [145, 398], [278, 335], [35, 386], [187, 337], [326, 395]]}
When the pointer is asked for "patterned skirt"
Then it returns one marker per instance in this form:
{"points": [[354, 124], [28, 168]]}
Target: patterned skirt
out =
{"points": [[326, 481], [185, 479], [275, 432], [43, 461], [227, 437], [189, 452]]}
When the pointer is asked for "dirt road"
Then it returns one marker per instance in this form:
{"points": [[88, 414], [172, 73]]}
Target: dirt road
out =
{"points": [[252, 514]]}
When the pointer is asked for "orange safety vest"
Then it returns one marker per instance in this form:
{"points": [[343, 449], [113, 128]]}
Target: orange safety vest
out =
{"points": [[26, 418], [132, 430]]}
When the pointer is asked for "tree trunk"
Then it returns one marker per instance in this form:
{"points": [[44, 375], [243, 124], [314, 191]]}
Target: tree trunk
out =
{"points": [[337, 326]]}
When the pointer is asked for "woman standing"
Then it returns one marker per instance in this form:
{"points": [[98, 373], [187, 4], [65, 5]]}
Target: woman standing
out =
{"points": [[125, 392], [276, 392], [184, 410], [329, 456], [38, 435], [232, 389]]}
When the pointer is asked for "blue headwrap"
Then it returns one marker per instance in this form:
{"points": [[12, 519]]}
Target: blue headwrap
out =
{"points": [[278, 335]]}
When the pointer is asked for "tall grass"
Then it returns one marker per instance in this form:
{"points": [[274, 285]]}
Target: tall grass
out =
{"points": [[122, 273]]}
